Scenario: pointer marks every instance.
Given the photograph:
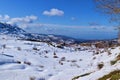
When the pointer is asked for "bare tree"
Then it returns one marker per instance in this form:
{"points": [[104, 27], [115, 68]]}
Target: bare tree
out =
{"points": [[112, 8]]}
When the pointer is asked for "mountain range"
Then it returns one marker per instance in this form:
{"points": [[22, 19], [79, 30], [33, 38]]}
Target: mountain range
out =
{"points": [[15, 31]]}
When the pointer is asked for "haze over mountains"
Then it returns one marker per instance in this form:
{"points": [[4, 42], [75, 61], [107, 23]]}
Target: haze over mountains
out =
{"points": [[15, 31]]}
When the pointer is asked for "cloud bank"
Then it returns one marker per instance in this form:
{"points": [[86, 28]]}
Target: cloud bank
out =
{"points": [[31, 23], [20, 21]]}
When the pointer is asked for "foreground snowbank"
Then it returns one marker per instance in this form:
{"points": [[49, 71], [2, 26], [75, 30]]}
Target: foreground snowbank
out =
{"points": [[25, 60]]}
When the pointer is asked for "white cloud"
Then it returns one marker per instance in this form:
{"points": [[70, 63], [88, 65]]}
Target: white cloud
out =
{"points": [[6, 17], [54, 12], [38, 25], [30, 21], [98, 27], [27, 19], [18, 20]]}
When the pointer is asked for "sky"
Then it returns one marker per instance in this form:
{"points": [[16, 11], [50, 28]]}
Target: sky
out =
{"points": [[74, 18]]}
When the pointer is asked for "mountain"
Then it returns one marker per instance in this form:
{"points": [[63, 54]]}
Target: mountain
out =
{"points": [[15, 31], [9, 29]]}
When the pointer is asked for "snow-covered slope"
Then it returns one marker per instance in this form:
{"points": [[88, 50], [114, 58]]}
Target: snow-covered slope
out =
{"points": [[29, 60]]}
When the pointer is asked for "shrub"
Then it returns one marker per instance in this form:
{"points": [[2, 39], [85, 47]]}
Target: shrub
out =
{"points": [[34, 48], [28, 63], [60, 62], [100, 65], [19, 62], [4, 45], [113, 62], [81, 76], [97, 52], [118, 57], [41, 66], [54, 55], [73, 61], [94, 58], [19, 48], [32, 78], [113, 48], [46, 56], [80, 59], [60, 46], [63, 59], [109, 53]]}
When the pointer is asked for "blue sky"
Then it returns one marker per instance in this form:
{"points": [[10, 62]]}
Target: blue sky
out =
{"points": [[63, 17]]}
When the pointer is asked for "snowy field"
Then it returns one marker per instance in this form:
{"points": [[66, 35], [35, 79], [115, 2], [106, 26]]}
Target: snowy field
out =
{"points": [[26, 60]]}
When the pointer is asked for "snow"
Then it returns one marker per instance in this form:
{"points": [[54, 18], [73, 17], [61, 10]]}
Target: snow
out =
{"points": [[22, 60]]}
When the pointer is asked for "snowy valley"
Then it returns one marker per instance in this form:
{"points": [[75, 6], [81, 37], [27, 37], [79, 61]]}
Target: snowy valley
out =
{"points": [[23, 59]]}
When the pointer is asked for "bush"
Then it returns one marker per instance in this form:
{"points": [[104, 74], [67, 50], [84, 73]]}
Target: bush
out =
{"points": [[60, 46], [19, 48], [113, 62], [81, 76], [109, 53], [63, 59], [118, 57], [73, 61], [41, 66], [32, 78], [54, 55], [28, 63], [100, 65], [60, 62], [34, 48], [4, 45], [19, 62]]}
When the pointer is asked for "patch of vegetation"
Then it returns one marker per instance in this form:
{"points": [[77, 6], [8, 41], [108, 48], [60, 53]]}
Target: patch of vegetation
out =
{"points": [[41, 66], [81, 76], [118, 57], [100, 65], [32, 78], [54, 55], [112, 47], [73, 61], [60, 46], [34, 48], [19, 48], [109, 53], [63, 59], [113, 62], [114, 75], [28, 63]]}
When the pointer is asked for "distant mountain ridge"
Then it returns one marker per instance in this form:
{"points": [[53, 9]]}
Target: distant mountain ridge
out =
{"points": [[9, 29], [19, 33], [15, 31]]}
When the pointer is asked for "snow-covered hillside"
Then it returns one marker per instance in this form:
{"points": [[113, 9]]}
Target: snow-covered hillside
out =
{"points": [[29, 60]]}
